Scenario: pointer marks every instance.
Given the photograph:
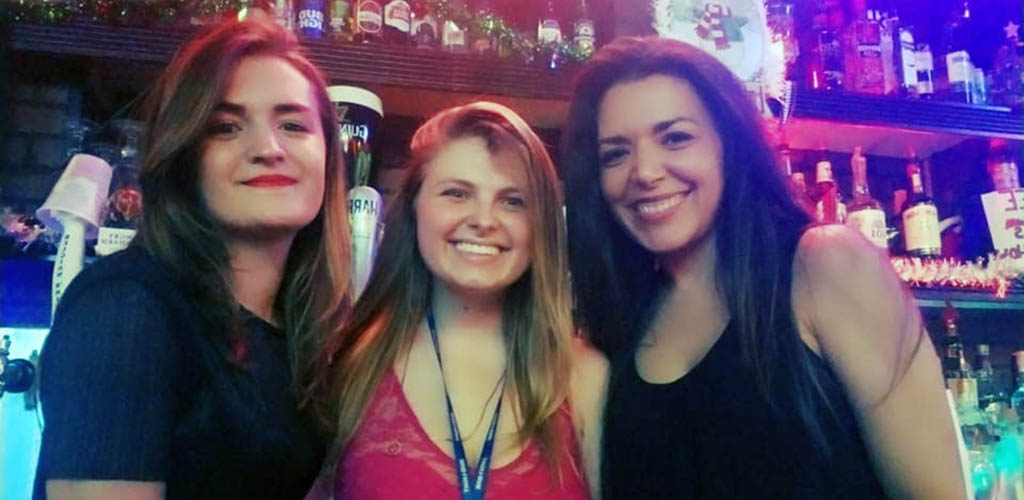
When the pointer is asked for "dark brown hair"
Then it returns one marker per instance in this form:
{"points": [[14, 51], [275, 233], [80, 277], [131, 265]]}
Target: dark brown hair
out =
{"points": [[757, 227], [179, 230]]}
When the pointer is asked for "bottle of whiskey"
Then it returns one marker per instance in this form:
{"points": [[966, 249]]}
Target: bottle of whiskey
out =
{"points": [[830, 207], [905, 64], [920, 218], [866, 213], [925, 65], [453, 36], [341, 24], [1002, 166], [425, 31], [868, 75], [369, 21], [583, 31], [954, 348], [549, 34], [397, 23], [959, 376], [988, 387]]}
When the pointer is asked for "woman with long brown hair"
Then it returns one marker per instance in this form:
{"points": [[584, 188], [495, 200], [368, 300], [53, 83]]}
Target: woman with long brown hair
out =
{"points": [[172, 367], [754, 355], [459, 373]]}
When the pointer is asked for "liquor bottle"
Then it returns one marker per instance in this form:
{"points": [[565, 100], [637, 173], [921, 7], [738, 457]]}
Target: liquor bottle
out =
{"points": [[549, 34], [830, 207], [798, 181], [425, 31], [920, 218], [311, 18], [548, 29], [894, 223], [1017, 399], [979, 87], [123, 209], [868, 72], [831, 54], [369, 21], [397, 23], [953, 360], [988, 387], [583, 31], [889, 47], [783, 38], [284, 14], [960, 72], [1002, 166], [453, 36], [124, 205], [903, 51], [865, 213], [957, 35], [341, 20], [960, 377], [485, 40], [925, 66]]}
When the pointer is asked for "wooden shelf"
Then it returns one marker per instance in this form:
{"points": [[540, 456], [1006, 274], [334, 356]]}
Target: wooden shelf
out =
{"points": [[368, 64], [931, 298], [891, 126], [418, 82]]}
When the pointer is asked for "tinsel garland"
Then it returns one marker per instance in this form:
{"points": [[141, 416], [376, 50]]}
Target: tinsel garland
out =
{"points": [[119, 11], [511, 42], [997, 274]]}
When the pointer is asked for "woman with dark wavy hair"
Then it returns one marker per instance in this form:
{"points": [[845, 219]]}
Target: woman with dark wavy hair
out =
{"points": [[171, 369], [754, 355]]}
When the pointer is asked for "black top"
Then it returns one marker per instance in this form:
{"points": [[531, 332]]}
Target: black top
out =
{"points": [[132, 390], [710, 434]]}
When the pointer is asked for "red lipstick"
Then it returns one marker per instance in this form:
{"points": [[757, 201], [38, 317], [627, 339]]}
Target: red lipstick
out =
{"points": [[275, 180]]}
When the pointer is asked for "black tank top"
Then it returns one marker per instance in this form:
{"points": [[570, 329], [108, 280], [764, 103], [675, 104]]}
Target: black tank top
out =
{"points": [[710, 434]]}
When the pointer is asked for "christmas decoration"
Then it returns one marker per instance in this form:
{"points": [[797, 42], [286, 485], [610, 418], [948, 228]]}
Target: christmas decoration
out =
{"points": [[737, 33], [23, 230], [511, 42], [998, 274]]}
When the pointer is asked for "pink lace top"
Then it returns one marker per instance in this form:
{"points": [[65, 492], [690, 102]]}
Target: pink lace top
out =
{"points": [[392, 457]]}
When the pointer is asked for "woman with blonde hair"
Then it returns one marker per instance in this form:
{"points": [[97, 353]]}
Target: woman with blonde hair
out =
{"points": [[459, 373]]}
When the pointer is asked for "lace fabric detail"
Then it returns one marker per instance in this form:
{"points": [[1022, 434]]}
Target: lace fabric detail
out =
{"points": [[391, 456]]}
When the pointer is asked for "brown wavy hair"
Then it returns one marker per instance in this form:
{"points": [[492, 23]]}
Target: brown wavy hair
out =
{"points": [[179, 230], [537, 320]]}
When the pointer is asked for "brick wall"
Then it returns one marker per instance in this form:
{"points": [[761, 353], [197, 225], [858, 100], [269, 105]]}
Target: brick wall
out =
{"points": [[33, 141]]}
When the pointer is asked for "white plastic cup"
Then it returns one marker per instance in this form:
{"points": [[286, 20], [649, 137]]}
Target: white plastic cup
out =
{"points": [[81, 192]]}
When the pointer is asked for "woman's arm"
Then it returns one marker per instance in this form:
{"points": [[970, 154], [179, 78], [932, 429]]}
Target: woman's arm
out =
{"points": [[852, 308], [109, 382], [103, 490], [589, 387]]}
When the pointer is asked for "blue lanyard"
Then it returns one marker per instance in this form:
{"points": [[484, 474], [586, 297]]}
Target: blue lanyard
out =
{"points": [[470, 488]]}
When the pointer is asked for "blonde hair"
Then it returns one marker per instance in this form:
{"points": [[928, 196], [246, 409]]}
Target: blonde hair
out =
{"points": [[536, 323]]}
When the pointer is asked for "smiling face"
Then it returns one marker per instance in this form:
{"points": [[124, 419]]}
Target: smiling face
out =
{"points": [[661, 162], [263, 157], [472, 224]]}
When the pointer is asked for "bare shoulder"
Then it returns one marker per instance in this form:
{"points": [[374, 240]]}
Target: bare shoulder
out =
{"points": [[589, 365], [837, 252], [836, 269], [854, 308]]}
